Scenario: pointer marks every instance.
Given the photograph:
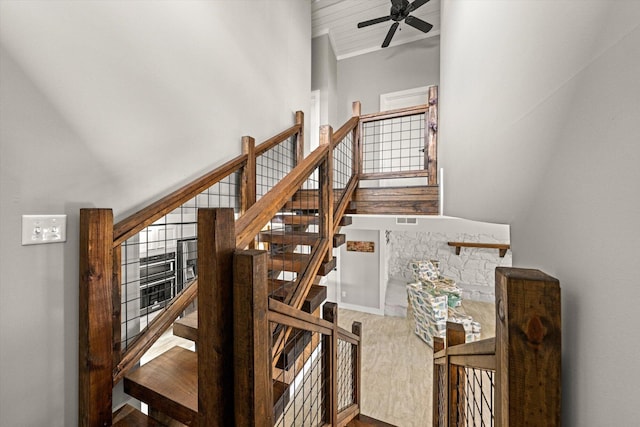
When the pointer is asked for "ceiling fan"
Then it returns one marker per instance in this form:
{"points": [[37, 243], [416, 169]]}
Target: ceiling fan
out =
{"points": [[400, 9]]}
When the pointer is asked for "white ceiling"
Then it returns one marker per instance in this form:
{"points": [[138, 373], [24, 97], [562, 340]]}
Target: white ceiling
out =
{"points": [[339, 19]]}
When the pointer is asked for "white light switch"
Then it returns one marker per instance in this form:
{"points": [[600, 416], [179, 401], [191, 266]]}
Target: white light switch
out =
{"points": [[39, 229]]}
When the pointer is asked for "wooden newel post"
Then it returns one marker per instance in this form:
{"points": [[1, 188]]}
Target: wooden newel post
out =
{"points": [[216, 245], [528, 348], [357, 112], [431, 149], [248, 183], [95, 314], [455, 336], [326, 189], [299, 147], [330, 345], [253, 390], [438, 345], [356, 328]]}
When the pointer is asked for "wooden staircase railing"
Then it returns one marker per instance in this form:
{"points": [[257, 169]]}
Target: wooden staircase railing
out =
{"points": [[514, 378], [306, 203]]}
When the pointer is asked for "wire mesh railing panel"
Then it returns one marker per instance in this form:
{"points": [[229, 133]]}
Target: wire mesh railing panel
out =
{"points": [[290, 237], [346, 375], [342, 166], [299, 380], [273, 165], [393, 145], [475, 389], [161, 260]]}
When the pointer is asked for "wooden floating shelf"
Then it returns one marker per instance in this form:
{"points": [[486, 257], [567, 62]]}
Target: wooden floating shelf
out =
{"points": [[502, 247]]}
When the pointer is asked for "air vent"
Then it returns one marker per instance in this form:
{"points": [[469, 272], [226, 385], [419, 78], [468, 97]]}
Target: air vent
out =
{"points": [[406, 221]]}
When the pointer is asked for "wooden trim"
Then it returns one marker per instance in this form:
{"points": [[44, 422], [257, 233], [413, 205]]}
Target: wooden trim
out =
{"points": [[344, 130], [248, 180], [154, 331], [133, 224], [479, 361], [116, 305], [502, 247], [277, 139], [253, 389], [400, 112], [399, 174], [216, 245], [431, 146], [95, 382]]}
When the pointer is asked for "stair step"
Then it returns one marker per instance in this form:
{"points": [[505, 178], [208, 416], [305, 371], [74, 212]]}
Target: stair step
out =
{"points": [[303, 205], [280, 398], [128, 416], [345, 220], [169, 384], [297, 219], [187, 327], [289, 262], [364, 421], [294, 347], [289, 238], [327, 267], [339, 240]]}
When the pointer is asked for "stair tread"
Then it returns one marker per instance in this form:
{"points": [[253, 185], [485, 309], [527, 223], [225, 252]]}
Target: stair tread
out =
{"points": [[302, 205], [289, 237], [289, 262], [187, 326], [297, 219], [168, 383], [364, 421], [128, 416]]}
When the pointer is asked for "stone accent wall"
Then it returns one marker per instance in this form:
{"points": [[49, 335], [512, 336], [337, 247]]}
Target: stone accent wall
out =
{"points": [[473, 269]]}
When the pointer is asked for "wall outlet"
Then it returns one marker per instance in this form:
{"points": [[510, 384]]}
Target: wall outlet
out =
{"points": [[40, 229]]}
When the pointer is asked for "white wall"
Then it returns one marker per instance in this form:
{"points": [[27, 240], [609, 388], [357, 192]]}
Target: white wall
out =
{"points": [[112, 104], [324, 77], [363, 78], [539, 127]]}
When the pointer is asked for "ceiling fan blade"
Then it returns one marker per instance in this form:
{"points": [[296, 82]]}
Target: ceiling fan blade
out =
{"points": [[416, 4], [373, 21], [390, 34], [418, 23]]}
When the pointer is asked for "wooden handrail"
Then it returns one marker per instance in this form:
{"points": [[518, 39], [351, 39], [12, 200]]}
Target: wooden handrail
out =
{"points": [[289, 316], [349, 126], [390, 114], [135, 223], [277, 139]]}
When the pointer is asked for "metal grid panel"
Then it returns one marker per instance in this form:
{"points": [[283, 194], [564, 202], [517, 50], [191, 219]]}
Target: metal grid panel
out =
{"points": [[300, 380], [160, 261], [475, 389], [273, 165], [394, 145], [342, 166], [346, 375]]}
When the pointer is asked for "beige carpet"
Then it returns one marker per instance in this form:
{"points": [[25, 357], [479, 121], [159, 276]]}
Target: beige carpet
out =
{"points": [[397, 365]]}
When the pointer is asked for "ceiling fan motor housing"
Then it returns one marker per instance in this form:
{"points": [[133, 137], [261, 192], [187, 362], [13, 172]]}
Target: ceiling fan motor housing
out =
{"points": [[399, 9]]}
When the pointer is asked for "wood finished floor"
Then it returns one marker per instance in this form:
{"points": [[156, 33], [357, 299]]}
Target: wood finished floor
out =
{"points": [[396, 365]]}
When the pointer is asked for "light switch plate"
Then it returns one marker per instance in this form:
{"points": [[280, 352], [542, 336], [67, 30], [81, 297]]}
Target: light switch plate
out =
{"points": [[40, 229]]}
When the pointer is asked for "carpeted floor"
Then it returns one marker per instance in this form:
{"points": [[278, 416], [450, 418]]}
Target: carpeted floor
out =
{"points": [[397, 365]]}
